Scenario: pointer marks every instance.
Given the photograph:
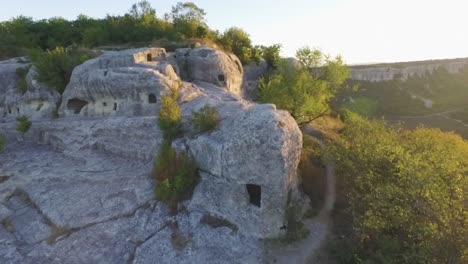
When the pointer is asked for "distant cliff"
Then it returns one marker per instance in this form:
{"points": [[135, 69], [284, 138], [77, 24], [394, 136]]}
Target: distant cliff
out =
{"points": [[401, 71]]}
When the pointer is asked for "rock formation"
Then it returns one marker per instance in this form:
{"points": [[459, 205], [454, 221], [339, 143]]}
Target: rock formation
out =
{"points": [[79, 189], [378, 74]]}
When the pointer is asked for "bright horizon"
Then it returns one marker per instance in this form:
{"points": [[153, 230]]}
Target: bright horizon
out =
{"points": [[362, 31]]}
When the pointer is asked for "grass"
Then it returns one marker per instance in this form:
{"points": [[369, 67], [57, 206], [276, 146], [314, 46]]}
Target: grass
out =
{"points": [[363, 105]]}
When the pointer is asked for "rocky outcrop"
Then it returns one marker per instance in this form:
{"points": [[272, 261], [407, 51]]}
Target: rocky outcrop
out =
{"points": [[128, 83], [378, 74], [37, 102], [80, 189], [212, 66]]}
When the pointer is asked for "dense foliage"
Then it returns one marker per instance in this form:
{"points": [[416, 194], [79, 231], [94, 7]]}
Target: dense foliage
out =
{"points": [[141, 25], [206, 119], [54, 67], [406, 192], [304, 91], [24, 124]]}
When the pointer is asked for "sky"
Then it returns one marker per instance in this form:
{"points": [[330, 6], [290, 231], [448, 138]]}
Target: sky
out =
{"points": [[362, 31]]}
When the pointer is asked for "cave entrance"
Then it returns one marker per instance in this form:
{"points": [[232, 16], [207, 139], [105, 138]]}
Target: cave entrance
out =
{"points": [[221, 78], [255, 194], [149, 57], [152, 98], [76, 105]]}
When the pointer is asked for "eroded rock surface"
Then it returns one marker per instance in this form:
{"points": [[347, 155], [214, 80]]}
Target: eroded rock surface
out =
{"points": [[79, 189]]}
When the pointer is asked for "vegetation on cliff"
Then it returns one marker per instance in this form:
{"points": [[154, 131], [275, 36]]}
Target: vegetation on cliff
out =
{"points": [[54, 67], [24, 124]]}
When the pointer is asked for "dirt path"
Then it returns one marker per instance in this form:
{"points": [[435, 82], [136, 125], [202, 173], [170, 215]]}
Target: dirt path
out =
{"points": [[304, 251]]}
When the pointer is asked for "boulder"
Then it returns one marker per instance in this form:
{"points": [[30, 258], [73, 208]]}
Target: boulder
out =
{"points": [[212, 66]]}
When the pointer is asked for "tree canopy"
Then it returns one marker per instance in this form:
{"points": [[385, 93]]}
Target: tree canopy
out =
{"points": [[304, 91], [407, 192], [140, 25]]}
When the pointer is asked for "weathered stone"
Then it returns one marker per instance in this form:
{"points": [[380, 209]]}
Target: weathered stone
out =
{"points": [[379, 74], [89, 173], [212, 66], [128, 83]]}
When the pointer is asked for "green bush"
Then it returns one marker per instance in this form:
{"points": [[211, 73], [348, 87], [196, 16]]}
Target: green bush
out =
{"points": [[170, 120], [54, 67], [21, 82], [206, 119], [2, 143], [175, 174], [23, 124]]}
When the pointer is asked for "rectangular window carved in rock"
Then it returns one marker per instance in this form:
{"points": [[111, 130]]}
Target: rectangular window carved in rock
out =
{"points": [[255, 194]]}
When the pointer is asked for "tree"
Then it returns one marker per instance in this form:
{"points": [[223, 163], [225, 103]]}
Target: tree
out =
{"points": [[407, 191], [303, 93], [271, 54], [237, 41], [142, 10], [189, 20], [309, 58]]}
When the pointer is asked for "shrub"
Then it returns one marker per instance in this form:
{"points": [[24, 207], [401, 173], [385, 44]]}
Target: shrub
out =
{"points": [[23, 124], [170, 120], [175, 174], [21, 82], [2, 143], [54, 67], [206, 119]]}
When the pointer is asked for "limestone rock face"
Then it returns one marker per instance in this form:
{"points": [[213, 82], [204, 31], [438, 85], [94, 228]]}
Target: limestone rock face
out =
{"points": [[379, 74], [249, 168], [128, 83], [80, 189], [37, 102], [212, 66]]}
